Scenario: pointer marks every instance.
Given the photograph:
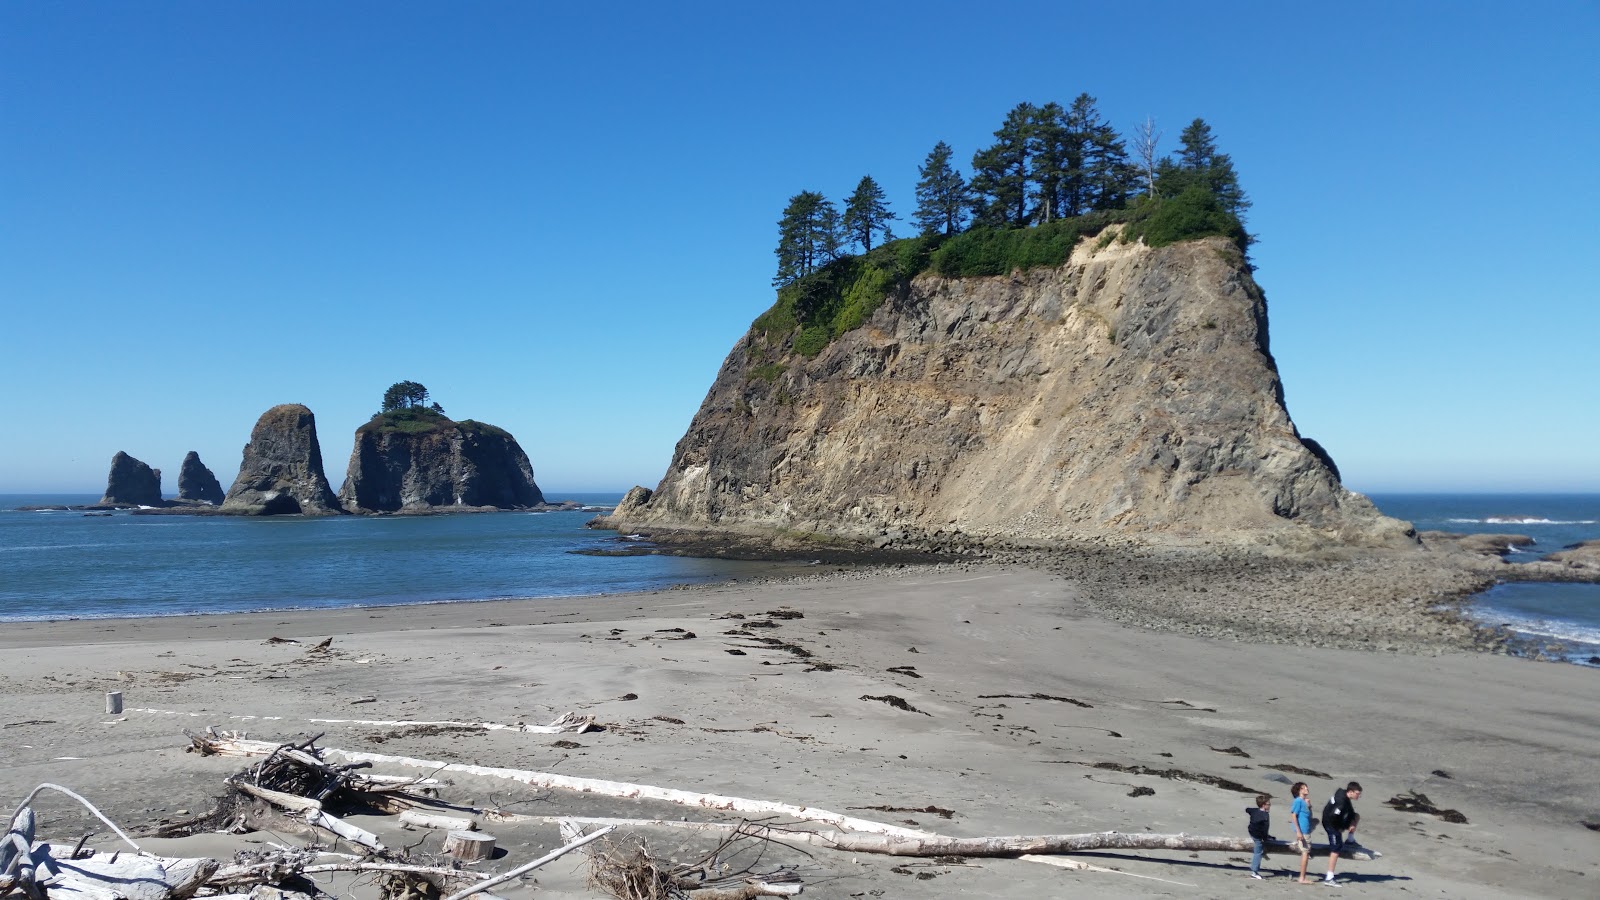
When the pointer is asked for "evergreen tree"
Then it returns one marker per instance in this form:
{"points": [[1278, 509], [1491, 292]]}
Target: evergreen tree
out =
{"points": [[866, 214], [1200, 165], [1050, 145], [404, 395], [808, 236], [1110, 178], [941, 194], [1000, 173]]}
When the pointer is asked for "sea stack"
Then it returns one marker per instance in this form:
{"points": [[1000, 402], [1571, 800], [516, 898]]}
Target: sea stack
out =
{"points": [[1128, 394], [281, 473], [197, 483], [417, 460], [131, 483]]}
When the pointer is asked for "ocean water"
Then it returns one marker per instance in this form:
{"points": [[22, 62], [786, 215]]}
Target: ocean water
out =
{"points": [[57, 565], [1564, 614]]}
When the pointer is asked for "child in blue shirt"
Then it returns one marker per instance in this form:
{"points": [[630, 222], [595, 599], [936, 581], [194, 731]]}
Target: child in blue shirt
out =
{"points": [[1300, 818]]}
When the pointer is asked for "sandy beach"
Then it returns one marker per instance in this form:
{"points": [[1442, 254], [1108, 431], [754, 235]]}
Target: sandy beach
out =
{"points": [[966, 646]]}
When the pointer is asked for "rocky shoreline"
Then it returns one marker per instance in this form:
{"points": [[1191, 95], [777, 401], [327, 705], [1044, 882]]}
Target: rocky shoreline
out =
{"points": [[1401, 601]]}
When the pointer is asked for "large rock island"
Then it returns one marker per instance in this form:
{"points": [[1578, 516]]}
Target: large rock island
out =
{"points": [[1129, 394], [416, 460], [281, 473]]}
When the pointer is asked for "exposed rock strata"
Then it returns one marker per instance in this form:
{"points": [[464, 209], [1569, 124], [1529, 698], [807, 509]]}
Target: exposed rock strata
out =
{"points": [[1129, 394], [281, 473], [1483, 544], [197, 483], [454, 465], [131, 483], [1583, 556]]}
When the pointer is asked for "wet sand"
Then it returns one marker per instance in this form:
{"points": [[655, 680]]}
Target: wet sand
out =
{"points": [[1517, 738]]}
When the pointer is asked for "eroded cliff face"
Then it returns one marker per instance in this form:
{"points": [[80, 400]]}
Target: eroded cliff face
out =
{"points": [[281, 473], [1130, 392], [460, 464]]}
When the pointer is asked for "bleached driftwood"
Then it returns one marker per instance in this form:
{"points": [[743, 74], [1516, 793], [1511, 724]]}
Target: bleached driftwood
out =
{"points": [[468, 846], [314, 815], [566, 723], [413, 819], [126, 876], [529, 867], [631, 791]]}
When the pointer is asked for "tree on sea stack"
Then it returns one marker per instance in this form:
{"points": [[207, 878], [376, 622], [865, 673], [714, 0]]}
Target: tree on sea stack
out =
{"points": [[808, 236], [404, 395], [1000, 173], [941, 194], [866, 214], [1200, 165]]}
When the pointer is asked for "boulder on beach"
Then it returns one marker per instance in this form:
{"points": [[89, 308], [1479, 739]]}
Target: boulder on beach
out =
{"points": [[281, 473], [198, 483], [131, 483]]}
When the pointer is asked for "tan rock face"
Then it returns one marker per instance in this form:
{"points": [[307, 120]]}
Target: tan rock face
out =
{"points": [[1129, 392]]}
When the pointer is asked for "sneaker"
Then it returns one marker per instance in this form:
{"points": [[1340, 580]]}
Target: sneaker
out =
{"points": [[1257, 876], [1331, 883]]}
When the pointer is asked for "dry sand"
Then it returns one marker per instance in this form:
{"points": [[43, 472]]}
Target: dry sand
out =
{"points": [[1517, 738]]}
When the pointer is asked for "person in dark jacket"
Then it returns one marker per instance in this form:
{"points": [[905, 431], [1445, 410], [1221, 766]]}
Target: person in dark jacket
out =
{"points": [[1258, 830], [1339, 819]]}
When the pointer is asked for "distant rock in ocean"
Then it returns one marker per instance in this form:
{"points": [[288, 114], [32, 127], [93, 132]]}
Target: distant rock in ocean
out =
{"points": [[196, 482], [281, 473], [419, 460], [131, 483]]}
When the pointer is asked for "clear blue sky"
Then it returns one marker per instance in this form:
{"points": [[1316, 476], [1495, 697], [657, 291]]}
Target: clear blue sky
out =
{"points": [[561, 219]]}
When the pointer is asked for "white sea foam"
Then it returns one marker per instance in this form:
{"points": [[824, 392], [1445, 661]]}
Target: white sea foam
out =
{"points": [[1521, 520], [1545, 628]]}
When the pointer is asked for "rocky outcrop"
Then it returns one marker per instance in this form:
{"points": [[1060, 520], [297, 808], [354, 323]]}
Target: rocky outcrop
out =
{"points": [[197, 483], [281, 473], [131, 483], [1582, 556], [1128, 394], [1481, 544], [431, 463]]}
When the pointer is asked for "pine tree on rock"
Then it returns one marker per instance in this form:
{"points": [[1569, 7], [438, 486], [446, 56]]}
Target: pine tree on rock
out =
{"points": [[866, 214], [942, 198], [808, 236], [1000, 173], [1200, 165]]}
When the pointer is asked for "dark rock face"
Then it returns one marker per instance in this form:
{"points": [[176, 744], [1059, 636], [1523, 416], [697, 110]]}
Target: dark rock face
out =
{"points": [[196, 482], [131, 483], [281, 473], [455, 465]]}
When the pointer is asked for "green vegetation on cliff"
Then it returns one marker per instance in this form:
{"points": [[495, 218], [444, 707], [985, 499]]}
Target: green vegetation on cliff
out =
{"points": [[407, 420], [1054, 177]]}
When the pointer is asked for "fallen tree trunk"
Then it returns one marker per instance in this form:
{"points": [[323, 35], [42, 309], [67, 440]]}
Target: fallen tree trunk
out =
{"points": [[644, 792]]}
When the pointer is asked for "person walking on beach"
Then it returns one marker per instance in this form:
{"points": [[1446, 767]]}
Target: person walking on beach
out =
{"points": [[1258, 830], [1339, 820], [1300, 818]]}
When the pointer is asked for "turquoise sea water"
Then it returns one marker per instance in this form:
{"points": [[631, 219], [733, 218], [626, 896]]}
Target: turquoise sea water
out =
{"points": [[64, 564], [57, 565]]}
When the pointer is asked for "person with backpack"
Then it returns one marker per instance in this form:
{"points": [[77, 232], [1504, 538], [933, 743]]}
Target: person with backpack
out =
{"points": [[1258, 830], [1339, 819]]}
